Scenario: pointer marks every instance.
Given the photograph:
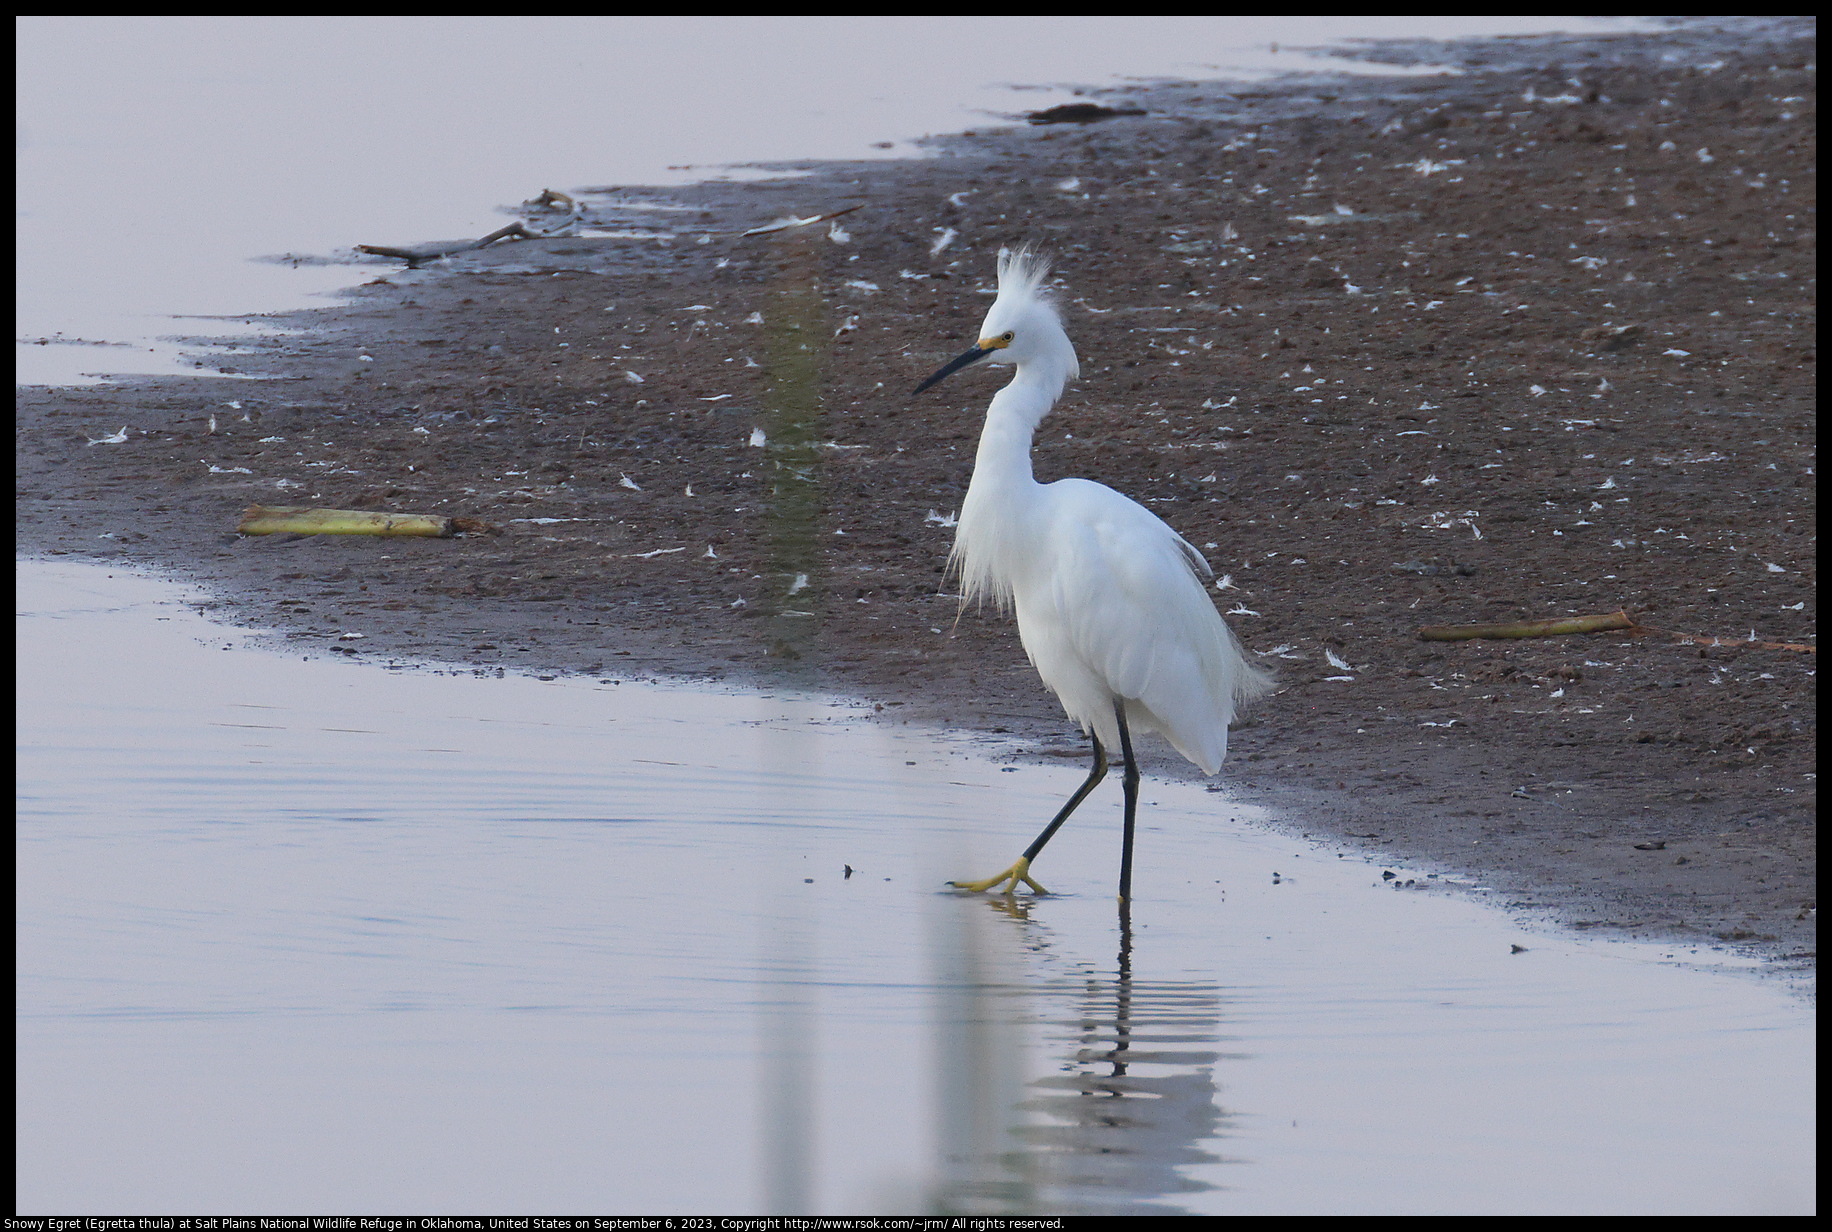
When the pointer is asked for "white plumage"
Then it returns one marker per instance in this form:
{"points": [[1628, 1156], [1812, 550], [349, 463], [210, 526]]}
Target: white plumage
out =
{"points": [[1112, 604]]}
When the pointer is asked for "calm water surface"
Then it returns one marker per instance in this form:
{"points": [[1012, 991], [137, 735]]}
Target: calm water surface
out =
{"points": [[303, 935]]}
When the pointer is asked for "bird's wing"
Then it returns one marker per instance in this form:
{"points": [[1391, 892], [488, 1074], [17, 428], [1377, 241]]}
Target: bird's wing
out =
{"points": [[1127, 590]]}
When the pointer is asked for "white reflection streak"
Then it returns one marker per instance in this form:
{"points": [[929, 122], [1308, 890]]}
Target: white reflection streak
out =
{"points": [[786, 975]]}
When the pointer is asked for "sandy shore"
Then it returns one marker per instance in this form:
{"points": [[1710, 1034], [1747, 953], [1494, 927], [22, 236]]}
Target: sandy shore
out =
{"points": [[1360, 339]]}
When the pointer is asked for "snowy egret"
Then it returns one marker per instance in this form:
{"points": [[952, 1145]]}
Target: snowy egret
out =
{"points": [[1111, 603]]}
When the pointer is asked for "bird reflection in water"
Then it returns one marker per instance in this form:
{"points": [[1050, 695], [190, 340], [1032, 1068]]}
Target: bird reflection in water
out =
{"points": [[1132, 1103]]}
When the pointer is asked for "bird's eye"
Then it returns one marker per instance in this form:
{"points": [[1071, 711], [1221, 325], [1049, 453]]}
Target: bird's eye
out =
{"points": [[1006, 335]]}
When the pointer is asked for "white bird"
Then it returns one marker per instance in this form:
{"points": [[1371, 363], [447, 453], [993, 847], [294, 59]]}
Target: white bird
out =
{"points": [[1111, 603]]}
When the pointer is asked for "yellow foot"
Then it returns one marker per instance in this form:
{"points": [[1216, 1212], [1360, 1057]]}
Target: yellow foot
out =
{"points": [[1009, 878]]}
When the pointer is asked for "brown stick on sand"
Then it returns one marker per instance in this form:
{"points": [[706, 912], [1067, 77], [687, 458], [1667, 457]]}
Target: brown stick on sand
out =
{"points": [[785, 223], [1529, 628], [300, 520], [432, 252], [1595, 624]]}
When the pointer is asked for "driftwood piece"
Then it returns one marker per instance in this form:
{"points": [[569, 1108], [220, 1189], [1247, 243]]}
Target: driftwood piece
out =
{"points": [[432, 252], [786, 223], [1529, 628], [555, 199], [301, 520], [1597, 624]]}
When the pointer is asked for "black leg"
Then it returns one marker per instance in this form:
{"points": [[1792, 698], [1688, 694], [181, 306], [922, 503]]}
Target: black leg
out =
{"points": [[1021, 870], [1095, 775], [1131, 782]]}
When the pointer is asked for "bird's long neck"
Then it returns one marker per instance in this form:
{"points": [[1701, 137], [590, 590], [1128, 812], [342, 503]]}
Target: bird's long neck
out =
{"points": [[1003, 463], [1004, 458], [993, 542]]}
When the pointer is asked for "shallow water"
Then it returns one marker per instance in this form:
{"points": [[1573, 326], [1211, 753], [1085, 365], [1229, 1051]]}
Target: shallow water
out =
{"points": [[297, 934], [156, 155]]}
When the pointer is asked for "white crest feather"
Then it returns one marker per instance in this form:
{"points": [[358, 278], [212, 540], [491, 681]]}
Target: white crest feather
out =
{"points": [[1022, 272]]}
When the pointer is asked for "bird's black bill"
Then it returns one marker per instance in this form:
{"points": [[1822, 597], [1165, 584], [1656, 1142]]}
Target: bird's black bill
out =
{"points": [[955, 365]]}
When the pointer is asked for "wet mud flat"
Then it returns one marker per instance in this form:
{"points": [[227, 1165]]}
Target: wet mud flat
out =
{"points": [[1529, 341]]}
